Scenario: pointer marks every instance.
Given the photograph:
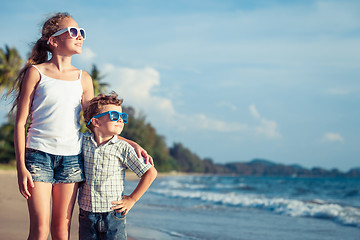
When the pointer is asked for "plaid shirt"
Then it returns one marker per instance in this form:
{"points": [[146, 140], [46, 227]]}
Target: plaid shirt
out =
{"points": [[105, 167]]}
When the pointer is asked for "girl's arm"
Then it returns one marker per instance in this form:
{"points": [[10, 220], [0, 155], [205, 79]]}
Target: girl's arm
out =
{"points": [[28, 85], [127, 202], [88, 89]]}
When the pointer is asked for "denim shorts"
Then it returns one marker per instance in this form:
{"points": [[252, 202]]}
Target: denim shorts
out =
{"points": [[107, 225], [46, 167]]}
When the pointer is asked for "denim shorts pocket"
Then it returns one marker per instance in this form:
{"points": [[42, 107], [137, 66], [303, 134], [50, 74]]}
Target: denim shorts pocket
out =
{"points": [[118, 216], [39, 165]]}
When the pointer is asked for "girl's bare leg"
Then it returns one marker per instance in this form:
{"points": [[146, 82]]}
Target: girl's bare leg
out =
{"points": [[64, 196], [39, 210]]}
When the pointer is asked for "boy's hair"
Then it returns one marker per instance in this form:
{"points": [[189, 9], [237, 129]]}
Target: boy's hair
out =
{"points": [[96, 104]]}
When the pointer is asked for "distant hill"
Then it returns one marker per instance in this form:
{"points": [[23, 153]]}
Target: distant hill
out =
{"points": [[258, 167], [189, 162]]}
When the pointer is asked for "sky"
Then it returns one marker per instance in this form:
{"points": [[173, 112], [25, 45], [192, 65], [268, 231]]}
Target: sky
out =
{"points": [[230, 80]]}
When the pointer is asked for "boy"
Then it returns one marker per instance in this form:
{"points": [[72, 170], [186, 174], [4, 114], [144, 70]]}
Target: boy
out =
{"points": [[102, 204]]}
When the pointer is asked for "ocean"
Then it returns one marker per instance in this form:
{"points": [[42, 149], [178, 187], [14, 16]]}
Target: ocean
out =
{"points": [[249, 208]]}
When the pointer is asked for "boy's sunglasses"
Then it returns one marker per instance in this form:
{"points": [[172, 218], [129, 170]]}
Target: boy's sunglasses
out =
{"points": [[114, 116], [73, 32]]}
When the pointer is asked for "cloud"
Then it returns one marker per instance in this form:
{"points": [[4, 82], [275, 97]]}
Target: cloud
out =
{"points": [[332, 137], [201, 121], [268, 128], [138, 87], [227, 105], [254, 112], [265, 127]]}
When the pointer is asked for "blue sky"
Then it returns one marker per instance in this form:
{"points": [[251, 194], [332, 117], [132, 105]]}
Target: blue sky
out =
{"points": [[231, 80]]}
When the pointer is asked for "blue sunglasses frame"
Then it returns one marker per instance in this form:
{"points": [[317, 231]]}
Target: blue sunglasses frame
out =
{"points": [[123, 116]]}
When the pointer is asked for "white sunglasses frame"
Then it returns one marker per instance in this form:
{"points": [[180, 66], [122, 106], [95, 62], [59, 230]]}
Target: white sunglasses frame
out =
{"points": [[67, 29]]}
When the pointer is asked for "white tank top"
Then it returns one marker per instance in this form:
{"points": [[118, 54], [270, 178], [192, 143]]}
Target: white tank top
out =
{"points": [[55, 116]]}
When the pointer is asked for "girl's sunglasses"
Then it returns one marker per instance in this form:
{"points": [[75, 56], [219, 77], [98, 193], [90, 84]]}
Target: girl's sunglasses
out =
{"points": [[114, 116], [73, 32]]}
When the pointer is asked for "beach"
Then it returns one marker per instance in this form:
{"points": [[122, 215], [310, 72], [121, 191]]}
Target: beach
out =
{"points": [[14, 218]]}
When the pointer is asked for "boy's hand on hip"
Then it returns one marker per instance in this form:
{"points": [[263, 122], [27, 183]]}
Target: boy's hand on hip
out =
{"points": [[124, 205]]}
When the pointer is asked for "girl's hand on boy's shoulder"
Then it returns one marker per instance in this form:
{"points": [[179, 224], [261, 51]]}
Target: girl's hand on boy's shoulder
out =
{"points": [[149, 159], [141, 153]]}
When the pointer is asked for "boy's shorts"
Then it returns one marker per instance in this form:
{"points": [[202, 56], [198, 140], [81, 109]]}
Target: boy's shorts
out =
{"points": [[46, 167], [106, 225]]}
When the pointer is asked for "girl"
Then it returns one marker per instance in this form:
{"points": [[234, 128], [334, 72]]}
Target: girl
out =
{"points": [[49, 162]]}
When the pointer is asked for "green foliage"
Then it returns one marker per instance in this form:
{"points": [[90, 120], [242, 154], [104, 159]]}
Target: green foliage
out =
{"points": [[145, 135], [99, 86], [7, 150], [10, 65], [188, 161]]}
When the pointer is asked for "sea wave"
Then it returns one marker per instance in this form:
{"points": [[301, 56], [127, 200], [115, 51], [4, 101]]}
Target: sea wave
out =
{"points": [[195, 184], [317, 208]]}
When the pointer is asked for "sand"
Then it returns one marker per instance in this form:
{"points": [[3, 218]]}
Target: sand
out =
{"points": [[14, 217]]}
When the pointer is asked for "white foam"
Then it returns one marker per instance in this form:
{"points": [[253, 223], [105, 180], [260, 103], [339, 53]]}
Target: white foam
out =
{"points": [[316, 208]]}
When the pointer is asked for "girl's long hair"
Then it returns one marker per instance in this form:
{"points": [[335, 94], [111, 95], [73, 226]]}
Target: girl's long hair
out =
{"points": [[39, 53]]}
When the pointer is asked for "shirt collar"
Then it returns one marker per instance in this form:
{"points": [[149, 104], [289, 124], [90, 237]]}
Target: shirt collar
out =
{"points": [[113, 140]]}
